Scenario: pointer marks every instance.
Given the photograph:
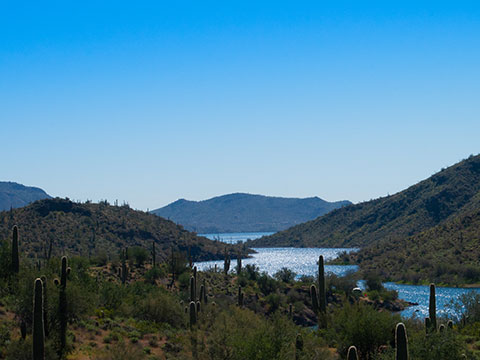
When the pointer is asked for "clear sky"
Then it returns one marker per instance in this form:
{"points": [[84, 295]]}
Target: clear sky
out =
{"points": [[149, 102]]}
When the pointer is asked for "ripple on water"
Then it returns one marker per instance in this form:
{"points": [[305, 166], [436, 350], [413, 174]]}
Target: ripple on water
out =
{"points": [[302, 261]]}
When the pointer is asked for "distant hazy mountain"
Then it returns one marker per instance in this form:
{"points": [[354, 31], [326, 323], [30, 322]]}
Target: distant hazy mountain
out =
{"points": [[245, 212], [16, 195]]}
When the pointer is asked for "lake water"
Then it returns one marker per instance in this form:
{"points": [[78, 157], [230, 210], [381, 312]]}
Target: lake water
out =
{"points": [[233, 238], [303, 261]]}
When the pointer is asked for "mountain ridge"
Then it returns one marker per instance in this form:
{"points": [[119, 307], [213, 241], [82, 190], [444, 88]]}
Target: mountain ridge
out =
{"points": [[243, 212], [15, 195], [417, 208]]}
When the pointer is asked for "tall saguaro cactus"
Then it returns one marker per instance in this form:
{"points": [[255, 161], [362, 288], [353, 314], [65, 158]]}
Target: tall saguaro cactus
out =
{"points": [[240, 296], [432, 308], [205, 297], [239, 264], [63, 305], [192, 288], [321, 285], [226, 262], [45, 305], [401, 342], [15, 256], [38, 325]]}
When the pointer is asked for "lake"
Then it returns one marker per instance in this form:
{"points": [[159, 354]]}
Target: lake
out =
{"points": [[303, 261]]}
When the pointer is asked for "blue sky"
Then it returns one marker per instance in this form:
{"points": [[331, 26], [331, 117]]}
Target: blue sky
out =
{"points": [[149, 102]]}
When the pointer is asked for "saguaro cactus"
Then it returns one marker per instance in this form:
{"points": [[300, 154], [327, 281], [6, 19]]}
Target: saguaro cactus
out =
{"points": [[15, 256], [428, 325], [298, 346], [63, 305], [321, 286], [202, 293], [192, 288], [38, 326], [401, 342], [193, 314], [205, 297], [352, 353], [240, 296], [226, 262], [313, 294], [239, 264], [432, 308], [195, 283], [45, 305]]}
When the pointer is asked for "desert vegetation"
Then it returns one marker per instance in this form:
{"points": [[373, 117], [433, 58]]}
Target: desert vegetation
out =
{"points": [[139, 307]]}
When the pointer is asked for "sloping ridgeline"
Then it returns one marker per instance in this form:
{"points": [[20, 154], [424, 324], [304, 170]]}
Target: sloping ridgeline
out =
{"points": [[428, 232], [13, 195], [245, 212], [89, 229]]}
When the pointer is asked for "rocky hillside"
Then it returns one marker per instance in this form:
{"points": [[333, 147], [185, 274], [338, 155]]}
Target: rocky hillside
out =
{"points": [[92, 229], [245, 212], [423, 206]]}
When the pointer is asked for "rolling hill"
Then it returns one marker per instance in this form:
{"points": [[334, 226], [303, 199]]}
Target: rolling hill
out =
{"points": [[89, 229], [418, 208], [245, 212], [13, 195], [428, 232]]}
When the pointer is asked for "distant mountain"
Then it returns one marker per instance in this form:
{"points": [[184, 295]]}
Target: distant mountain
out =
{"points": [[91, 229], [245, 212], [13, 195], [428, 232]]}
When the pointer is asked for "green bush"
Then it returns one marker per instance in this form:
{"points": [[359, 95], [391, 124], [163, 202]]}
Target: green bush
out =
{"points": [[286, 275], [361, 325]]}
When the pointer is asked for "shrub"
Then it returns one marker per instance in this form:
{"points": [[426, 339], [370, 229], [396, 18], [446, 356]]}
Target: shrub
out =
{"points": [[286, 275], [363, 326]]}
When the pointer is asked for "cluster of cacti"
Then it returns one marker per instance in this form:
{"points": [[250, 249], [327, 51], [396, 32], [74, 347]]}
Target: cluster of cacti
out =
{"points": [[38, 324], [319, 299], [401, 345], [15, 255]]}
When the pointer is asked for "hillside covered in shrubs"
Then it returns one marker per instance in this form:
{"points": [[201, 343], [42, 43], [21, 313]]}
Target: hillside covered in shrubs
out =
{"points": [[59, 226], [428, 232]]}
